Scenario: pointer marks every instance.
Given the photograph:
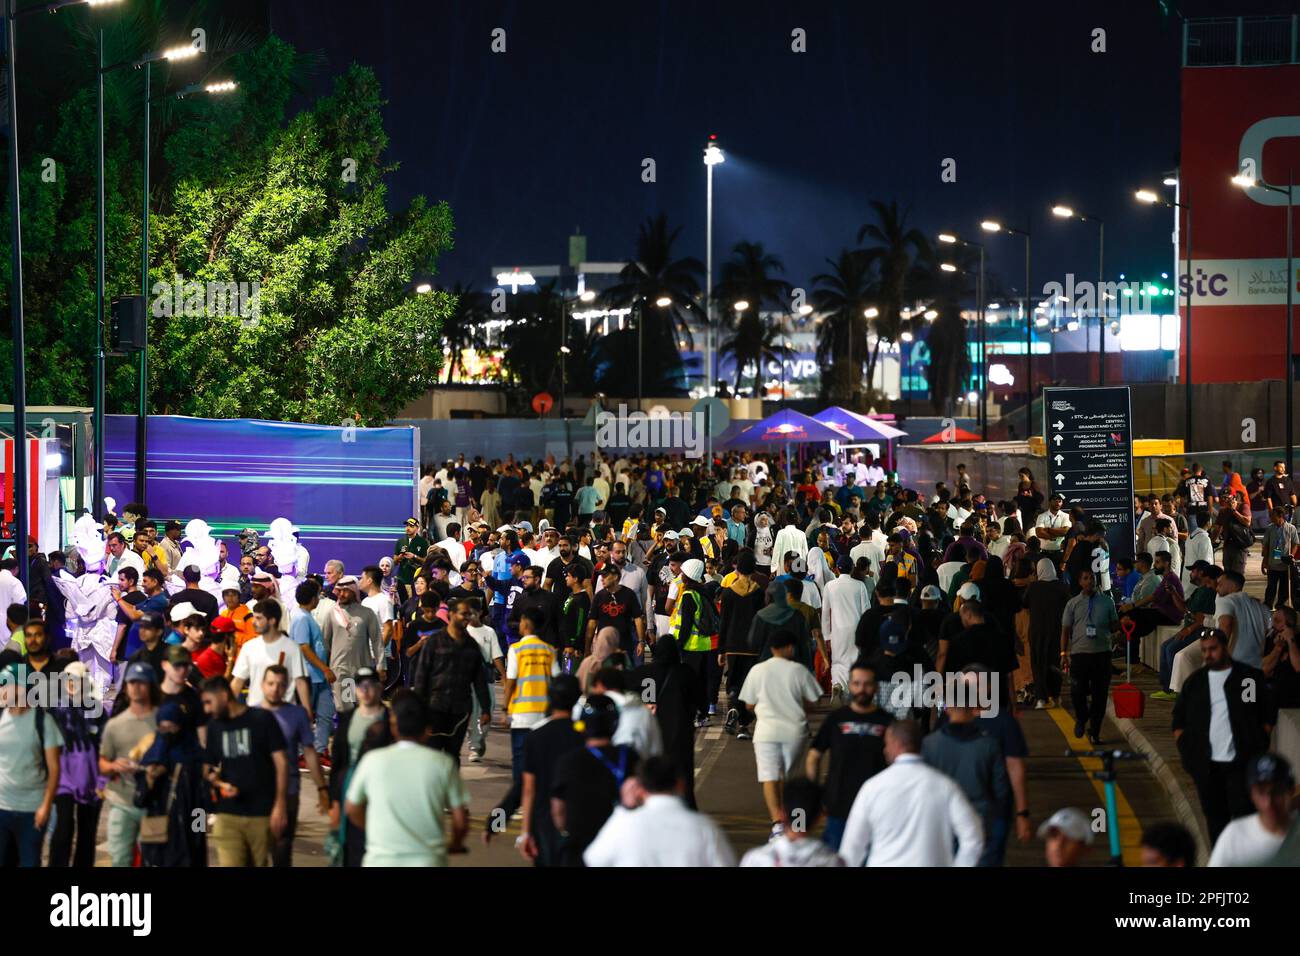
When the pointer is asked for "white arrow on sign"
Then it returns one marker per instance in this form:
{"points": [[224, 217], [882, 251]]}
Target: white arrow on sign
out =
{"points": [[1057, 439], [1059, 459], [1060, 478], [1058, 424]]}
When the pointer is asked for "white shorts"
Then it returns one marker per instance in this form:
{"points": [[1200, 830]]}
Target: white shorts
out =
{"points": [[775, 758]]}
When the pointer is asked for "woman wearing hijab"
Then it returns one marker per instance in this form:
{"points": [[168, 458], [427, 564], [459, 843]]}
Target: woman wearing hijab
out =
{"points": [[77, 801], [672, 696], [1046, 598], [170, 782], [605, 644], [819, 573]]}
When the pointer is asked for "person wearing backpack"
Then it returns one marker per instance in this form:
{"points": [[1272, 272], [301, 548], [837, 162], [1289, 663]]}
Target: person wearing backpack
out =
{"points": [[588, 780], [31, 746], [1232, 530], [694, 622]]}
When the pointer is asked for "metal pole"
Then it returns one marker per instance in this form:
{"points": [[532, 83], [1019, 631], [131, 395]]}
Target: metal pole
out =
{"points": [[640, 321], [708, 300], [1290, 330], [142, 415], [16, 311], [1101, 293], [97, 501], [1187, 385], [984, 354], [1029, 342]]}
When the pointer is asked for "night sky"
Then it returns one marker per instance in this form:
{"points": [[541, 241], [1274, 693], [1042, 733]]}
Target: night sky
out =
{"points": [[550, 135]]}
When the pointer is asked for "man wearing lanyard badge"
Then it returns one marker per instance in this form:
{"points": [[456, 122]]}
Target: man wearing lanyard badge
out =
{"points": [[1089, 621]]}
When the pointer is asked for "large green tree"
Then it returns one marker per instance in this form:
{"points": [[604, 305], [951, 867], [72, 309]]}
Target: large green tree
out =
{"points": [[293, 208]]}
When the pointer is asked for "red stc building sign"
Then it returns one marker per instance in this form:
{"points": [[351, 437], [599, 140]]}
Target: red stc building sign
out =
{"points": [[1232, 114]]}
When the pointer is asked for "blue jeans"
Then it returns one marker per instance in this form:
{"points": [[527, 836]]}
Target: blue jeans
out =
{"points": [[833, 832], [1168, 651], [322, 705], [19, 829], [995, 847], [517, 736]]}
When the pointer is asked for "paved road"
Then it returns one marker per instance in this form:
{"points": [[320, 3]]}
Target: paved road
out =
{"points": [[727, 789]]}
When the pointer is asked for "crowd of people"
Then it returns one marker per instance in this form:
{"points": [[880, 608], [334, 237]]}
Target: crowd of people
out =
{"points": [[624, 604]]}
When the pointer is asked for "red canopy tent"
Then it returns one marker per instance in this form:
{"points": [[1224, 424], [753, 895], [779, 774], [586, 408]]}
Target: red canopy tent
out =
{"points": [[958, 435]]}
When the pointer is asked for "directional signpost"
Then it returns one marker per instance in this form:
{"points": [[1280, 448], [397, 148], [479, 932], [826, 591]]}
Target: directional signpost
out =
{"points": [[1089, 439]]}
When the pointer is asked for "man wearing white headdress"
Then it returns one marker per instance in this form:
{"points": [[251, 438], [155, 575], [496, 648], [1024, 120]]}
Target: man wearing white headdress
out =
{"points": [[286, 553], [199, 549]]}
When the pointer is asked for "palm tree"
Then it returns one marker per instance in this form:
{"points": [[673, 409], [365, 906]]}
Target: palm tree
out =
{"points": [[748, 276], [463, 329], [756, 343], [949, 354], [896, 247], [655, 274], [843, 295]]}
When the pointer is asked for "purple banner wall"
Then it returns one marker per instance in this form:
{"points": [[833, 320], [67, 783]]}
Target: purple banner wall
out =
{"points": [[349, 490]]}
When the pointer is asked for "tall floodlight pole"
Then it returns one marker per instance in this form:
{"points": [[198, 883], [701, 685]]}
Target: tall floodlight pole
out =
{"points": [[1150, 198], [992, 225], [713, 155]]}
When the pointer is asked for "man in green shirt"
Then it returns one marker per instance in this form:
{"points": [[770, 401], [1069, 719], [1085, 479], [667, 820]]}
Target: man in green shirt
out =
{"points": [[409, 551], [1200, 613], [398, 794], [1089, 621]]}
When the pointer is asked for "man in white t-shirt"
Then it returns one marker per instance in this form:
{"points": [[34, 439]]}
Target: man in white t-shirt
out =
{"points": [[1243, 618], [1052, 526], [486, 638], [378, 602], [1270, 836], [271, 646], [779, 691]]}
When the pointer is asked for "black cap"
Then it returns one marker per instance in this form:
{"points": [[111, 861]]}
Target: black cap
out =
{"points": [[173, 525], [365, 673], [599, 717], [152, 619], [1270, 770]]}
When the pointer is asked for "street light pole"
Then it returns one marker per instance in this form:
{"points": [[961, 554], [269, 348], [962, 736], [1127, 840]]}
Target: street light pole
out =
{"points": [[16, 310], [142, 413], [97, 498]]}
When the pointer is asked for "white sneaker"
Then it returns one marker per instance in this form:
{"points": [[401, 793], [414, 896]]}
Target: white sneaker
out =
{"points": [[475, 756], [1040, 705]]}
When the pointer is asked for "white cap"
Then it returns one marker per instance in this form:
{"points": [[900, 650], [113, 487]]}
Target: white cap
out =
{"points": [[504, 528], [968, 591], [670, 534], [686, 533], [693, 569], [700, 520], [184, 611], [1070, 821]]}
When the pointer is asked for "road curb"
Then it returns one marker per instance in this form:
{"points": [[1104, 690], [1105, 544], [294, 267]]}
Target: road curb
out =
{"points": [[1163, 773]]}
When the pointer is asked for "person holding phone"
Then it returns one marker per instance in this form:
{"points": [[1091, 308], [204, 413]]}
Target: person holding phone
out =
{"points": [[123, 735]]}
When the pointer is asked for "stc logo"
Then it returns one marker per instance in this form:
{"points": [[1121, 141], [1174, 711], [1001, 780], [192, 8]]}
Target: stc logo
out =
{"points": [[1203, 284]]}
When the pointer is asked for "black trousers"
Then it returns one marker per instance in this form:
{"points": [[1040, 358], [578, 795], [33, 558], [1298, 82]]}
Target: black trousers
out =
{"points": [[282, 847], [1145, 620], [1046, 662], [1281, 587], [698, 661], [1089, 685], [738, 667], [1224, 795], [72, 819], [449, 731]]}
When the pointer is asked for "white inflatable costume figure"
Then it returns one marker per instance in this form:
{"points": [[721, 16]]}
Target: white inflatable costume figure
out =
{"points": [[288, 556], [200, 550], [89, 606]]}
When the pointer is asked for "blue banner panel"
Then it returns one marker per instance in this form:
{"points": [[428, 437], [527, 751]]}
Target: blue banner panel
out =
{"points": [[349, 490]]}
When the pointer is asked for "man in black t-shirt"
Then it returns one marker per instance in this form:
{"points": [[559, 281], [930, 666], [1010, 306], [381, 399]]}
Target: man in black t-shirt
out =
{"points": [[587, 781], [247, 765], [1279, 490], [854, 736], [544, 747], [617, 606], [205, 603], [559, 566], [471, 585]]}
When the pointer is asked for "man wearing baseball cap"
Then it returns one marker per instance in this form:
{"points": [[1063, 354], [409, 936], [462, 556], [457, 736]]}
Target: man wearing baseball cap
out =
{"points": [[1271, 835], [1066, 832], [119, 748]]}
